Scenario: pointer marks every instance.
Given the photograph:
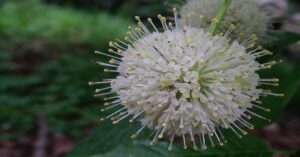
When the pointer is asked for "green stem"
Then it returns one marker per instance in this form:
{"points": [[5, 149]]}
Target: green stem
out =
{"points": [[221, 12]]}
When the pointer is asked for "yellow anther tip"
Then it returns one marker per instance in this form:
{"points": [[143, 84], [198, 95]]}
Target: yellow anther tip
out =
{"points": [[133, 136], [137, 18], [160, 136]]}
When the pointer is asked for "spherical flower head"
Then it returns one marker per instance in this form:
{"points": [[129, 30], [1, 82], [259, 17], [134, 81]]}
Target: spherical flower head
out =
{"points": [[185, 82], [246, 14]]}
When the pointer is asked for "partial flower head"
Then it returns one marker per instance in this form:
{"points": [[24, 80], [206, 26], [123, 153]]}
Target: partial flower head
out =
{"points": [[246, 14], [184, 82]]}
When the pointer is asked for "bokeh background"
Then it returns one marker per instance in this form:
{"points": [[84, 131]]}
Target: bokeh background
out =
{"points": [[46, 61]]}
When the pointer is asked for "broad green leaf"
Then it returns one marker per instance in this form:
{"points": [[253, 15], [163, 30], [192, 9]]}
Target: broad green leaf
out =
{"points": [[105, 138], [276, 41], [248, 147], [289, 76], [114, 140]]}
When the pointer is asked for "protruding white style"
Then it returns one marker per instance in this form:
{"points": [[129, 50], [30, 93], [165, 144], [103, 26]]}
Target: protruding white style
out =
{"points": [[184, 82], [246, 14]]}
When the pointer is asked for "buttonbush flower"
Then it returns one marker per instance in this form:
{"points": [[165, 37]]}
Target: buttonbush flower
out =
{"points": [[184, 82], [247, 14]]}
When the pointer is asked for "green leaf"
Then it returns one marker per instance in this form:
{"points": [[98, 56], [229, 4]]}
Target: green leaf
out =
{"points": [[247, 147], [289, 76], [276, 41], [114, 140], [105, 138]]}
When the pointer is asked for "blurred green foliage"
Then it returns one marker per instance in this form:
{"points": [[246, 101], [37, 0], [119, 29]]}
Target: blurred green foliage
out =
{"points": [[46, 54], [54, 88], [124, 8], [23, 21]]}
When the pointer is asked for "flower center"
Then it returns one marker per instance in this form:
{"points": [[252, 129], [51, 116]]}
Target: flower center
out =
{"points": [[191, 82]]}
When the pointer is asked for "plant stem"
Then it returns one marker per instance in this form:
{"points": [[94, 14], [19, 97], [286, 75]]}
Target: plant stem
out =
{"points": [[221, 12]]}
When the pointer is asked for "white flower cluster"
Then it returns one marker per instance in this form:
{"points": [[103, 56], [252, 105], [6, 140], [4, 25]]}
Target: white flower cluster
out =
{"points": [[246, 14], [184, 82]]}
